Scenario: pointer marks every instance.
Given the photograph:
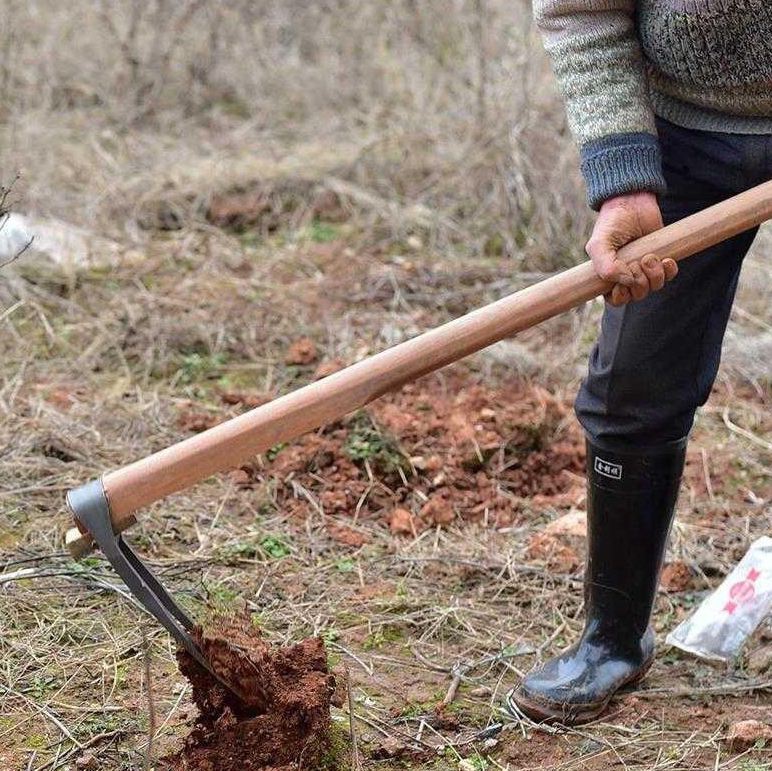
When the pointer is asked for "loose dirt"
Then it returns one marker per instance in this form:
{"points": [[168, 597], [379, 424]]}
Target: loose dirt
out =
{"points": [[301, 352], [438, 452], [282, 723]]}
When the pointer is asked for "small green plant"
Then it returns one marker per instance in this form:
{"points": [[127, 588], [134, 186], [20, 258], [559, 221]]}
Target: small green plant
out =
{"points": [[220, 594], [275, 450], [197, 366], [345, 565], [672, 753], [534, 437], [366, 442], [231, 105], [121, 674], [41, 684], [98, 723], [231, 553], [476, 762], [337, 754], [417, 708], [275, 547], [589, 746], [15, 515], [36, 741], [322, 232], [383, 636], [451, 755], [755, 765], [478, 460], [85, 564]]}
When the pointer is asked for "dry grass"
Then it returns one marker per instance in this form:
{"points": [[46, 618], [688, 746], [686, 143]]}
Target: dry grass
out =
{"points": [[113, 111], [404, 109], [101, 364]]}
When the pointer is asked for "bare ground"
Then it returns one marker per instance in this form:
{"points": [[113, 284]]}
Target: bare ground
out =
{"points": [[410, 536]]}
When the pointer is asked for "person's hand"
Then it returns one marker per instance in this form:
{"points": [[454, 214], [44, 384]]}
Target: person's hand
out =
{"points": [[623, 219]]}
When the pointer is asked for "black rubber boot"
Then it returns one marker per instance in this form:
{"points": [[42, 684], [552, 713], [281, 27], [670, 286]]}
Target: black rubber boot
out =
{"points": [[631, 497]]}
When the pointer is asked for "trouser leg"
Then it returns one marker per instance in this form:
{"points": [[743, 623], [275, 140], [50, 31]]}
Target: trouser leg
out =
{"points": [[655, 361]]}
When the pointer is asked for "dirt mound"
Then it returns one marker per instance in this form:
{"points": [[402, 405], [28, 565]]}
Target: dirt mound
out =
{"points": [[437, 452], [283, 722], [270, 205]]}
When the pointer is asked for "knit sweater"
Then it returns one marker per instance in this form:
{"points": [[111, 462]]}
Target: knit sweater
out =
{"points": [[702, 64]]}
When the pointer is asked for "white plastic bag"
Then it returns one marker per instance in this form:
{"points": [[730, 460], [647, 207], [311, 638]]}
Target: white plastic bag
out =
{"points": [[722, 623]]}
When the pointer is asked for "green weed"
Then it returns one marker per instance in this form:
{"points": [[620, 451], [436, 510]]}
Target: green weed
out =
{"points": [[383, 636], [275, 450], [366, 442], [476, 762], [198, 366], [275, 547], [336, 756], [232, 553], [755, 765], [322, 232], [220, 595]]}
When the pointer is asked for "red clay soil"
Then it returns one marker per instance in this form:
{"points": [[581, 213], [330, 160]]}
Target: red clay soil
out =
{"points": [[438, 452], [283, 721]]}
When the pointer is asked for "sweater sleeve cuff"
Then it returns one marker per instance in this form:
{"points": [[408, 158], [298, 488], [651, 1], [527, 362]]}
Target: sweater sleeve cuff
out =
{"points": [[622, 163]]}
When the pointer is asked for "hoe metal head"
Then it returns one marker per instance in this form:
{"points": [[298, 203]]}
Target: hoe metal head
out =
{"points": [[90, 507]]}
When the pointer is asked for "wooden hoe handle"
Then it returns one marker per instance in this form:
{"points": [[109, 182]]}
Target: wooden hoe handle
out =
{"points": [[231, 443]]}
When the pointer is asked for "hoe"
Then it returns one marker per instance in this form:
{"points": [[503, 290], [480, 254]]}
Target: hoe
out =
{"points": [[104, 508]]}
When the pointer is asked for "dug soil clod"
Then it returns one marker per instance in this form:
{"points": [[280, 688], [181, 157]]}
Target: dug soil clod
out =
{"points": [[283, 722]]}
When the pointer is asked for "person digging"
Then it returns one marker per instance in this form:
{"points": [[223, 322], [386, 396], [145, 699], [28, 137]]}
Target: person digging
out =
{"points": [[670, 102]]}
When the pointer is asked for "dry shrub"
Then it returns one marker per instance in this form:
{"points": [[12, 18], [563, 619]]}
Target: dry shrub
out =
{"points": [[445, 108]]}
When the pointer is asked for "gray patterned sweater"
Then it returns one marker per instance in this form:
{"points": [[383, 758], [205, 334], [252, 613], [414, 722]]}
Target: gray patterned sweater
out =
{"points": [[703, 64]]}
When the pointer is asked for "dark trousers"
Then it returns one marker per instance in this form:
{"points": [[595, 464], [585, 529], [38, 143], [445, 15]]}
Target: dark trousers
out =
{"points": [[656, 360]]}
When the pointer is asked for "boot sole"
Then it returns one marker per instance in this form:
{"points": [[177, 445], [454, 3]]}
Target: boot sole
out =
{"points": [[568, 714]]}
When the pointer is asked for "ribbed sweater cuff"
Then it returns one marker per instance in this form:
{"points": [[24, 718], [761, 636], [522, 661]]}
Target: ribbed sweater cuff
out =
{"points": [[622, 163]]}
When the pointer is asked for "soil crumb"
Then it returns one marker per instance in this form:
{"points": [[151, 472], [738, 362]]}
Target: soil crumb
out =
{"points": [[282, 723], [302, 351]]}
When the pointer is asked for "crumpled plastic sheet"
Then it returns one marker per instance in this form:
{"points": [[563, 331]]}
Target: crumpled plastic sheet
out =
{"points": [[723, 622]]}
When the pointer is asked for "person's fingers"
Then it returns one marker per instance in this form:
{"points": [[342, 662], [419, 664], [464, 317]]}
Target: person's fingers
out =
{"points": [[607, 266], [670, 267], [649, 275], [619, 295], [654, 271], [640, 287]]}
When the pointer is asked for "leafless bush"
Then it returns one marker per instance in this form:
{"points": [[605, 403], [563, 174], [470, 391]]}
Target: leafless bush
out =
{"points": [[148, 62], [448, 106]]}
